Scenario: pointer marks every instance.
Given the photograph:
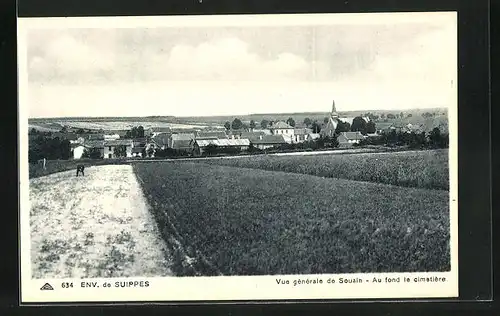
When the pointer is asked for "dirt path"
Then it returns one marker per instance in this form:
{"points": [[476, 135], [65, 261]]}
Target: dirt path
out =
{"points": [[93, 226]]}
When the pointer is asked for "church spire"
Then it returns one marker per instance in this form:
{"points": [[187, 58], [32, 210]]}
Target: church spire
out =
{"points": [[334, 113]]}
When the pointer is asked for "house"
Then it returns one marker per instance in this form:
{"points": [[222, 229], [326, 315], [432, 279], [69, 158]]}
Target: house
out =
{"points": [[211, 134], [253, 135], [78, 151], [282, 128], [182, 141], [265, 131], [153, 131], [269, 141], [300, 134], [140, 141], [161, 140], [200, 145], [137, 151], [111, 137], [111, 145], [94, 144], [95, 136], [349, 138], [312, 136]]}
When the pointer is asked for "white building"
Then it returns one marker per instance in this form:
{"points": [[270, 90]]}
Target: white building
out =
{"points": [[111, 137], [78, 151], [282, 128]]}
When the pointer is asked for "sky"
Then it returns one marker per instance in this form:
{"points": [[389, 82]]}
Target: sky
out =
{"points": [[74, 70]]}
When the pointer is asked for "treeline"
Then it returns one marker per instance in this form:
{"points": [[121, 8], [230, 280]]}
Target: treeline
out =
{"points": [[51, 148], [433, 140], [359, 124]]}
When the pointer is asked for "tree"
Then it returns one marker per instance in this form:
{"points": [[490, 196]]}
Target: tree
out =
{"points": [[343, 127], [316, 127], [391, 116], [401, 115], [382, 116], [92, 153], [140, 131], [264, 124], [325, 120], [409, 115], [237, 124], [133, 132], [358, 125], [426, 115], [227, 125], [370, 127], [435, 137], [65, 149], [307, 122], [120, 151], [252, 124], [291, 122]]}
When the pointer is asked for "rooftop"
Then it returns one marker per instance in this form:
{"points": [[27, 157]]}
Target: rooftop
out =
{"points": [[280, 125], [223, 142], [270, 139]]}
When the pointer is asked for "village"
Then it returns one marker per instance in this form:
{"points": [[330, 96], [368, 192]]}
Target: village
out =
{"points": [[235, 138]]}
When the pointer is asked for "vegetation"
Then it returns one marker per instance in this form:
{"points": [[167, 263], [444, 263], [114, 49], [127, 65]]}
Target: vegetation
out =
{"points": [[92, 153], [54, 166], [120, 151], [235, 221], [135, 132], [44, 146], [421, 169], [433, 140]]}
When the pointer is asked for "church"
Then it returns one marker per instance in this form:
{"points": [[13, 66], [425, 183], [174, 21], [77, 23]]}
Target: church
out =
{"points": [[333, 121]]}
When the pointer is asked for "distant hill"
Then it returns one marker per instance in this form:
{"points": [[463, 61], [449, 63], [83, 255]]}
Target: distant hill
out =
{"points": [[437, 117]]}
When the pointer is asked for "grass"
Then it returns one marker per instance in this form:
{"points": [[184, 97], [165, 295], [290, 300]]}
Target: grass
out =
{"points": [[53, 166], [237, 221], [419, 169]]}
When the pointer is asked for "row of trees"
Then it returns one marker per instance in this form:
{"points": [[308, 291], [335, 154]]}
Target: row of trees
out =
{"points": [[433, 140], [359, 124], [43, 146], [135, 132]]}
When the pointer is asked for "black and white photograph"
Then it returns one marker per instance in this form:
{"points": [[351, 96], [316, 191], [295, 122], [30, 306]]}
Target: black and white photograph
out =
{"points": [[317, 151]]}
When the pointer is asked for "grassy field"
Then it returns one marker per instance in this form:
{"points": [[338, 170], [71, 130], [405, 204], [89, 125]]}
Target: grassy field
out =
{"points": [[420, 169], [240, 221]]}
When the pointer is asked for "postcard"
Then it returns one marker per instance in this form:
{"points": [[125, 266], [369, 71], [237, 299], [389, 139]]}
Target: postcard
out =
{"points": [[238, 157]]}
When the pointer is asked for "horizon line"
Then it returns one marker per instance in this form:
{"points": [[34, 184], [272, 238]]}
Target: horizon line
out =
{"points": [[233, 115]]}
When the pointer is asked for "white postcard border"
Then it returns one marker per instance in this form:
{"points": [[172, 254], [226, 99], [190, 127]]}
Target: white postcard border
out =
{"points": [[235, 287]]}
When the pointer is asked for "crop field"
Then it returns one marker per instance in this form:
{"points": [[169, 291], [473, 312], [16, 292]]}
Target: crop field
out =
{"points": [[241, 221], [419, 169], [118, 125], [98, 225]]}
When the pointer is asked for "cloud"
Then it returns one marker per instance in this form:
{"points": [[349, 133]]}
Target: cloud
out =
{"points": [[67, 58], [227, 59]]}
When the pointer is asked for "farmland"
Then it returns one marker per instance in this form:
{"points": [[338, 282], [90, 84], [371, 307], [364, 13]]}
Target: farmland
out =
{"points": [[229, 220], [420, 169], [93, 226]]}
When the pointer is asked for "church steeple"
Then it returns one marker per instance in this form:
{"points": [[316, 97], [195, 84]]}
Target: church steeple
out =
{"points": [[334, 113]]}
